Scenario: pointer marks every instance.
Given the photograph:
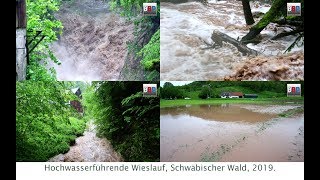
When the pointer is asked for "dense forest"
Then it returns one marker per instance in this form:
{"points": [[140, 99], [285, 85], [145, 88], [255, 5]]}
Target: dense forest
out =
{"points": [[128, 120], [201, 89], [43, 29], [47, 125]]}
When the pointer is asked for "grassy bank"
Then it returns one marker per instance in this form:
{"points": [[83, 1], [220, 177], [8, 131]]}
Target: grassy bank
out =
{"points": [[292, 112], [182, 102]]}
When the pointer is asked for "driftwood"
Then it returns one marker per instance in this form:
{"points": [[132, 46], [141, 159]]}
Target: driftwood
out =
{"points": [[219, 37]]}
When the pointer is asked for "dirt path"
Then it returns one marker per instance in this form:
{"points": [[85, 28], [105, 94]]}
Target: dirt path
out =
{"points": [[93, 44], [89, 148]]}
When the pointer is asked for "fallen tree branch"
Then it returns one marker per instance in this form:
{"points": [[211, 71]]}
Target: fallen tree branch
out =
{"points": [[283, 34], [219, 37], [284, 21]]}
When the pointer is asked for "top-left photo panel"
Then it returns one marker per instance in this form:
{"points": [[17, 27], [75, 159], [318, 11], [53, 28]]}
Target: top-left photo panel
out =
{"points": [[88, 40]]}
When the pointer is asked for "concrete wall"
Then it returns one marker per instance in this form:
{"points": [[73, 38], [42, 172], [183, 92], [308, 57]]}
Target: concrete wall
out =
{"points": [[21, 60]]}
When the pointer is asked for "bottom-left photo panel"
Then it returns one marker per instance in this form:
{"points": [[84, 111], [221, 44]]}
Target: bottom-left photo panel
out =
{"points": [[98, 121]]}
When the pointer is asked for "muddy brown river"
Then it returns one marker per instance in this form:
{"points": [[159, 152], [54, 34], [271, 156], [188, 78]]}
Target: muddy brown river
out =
{"points": [[89, 148], [230, 133]]}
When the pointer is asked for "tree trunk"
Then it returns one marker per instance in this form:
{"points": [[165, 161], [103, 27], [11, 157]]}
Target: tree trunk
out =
{"points": [[275, 9], [247, 12]]}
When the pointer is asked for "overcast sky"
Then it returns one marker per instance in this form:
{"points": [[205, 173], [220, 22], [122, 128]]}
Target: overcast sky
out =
{"points": [[176, 83]]}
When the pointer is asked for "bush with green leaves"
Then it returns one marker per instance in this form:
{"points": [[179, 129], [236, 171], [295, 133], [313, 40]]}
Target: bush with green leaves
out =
{"points": [[45, 124]]}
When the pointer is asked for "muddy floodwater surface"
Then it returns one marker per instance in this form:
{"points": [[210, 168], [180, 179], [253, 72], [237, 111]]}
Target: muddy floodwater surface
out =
{"points": [[186, 30], [93, 45], [230, 133], [89, 148]]}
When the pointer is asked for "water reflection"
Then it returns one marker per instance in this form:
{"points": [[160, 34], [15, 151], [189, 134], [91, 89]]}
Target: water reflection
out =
{"points": [[223, 112]]}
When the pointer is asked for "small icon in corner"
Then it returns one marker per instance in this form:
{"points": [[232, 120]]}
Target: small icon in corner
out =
{"points": [[293, 9], [150, 9], [149, 90], [294, 90]]}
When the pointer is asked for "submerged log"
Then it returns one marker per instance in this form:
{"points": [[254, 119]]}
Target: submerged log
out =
{"points": [[219, 37]]}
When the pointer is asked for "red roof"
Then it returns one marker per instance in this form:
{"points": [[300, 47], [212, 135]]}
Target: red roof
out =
{"points": [[236, 94]]}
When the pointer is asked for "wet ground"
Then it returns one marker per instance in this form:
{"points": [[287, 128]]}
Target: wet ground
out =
{"points": [[186, 30], [93, 44], [231, 133], [89, 148]]}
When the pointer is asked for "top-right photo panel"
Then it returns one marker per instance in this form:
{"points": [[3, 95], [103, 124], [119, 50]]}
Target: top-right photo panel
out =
{"points": [[231, 40]]}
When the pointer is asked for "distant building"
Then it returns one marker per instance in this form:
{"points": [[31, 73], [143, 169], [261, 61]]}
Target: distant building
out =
{"points": [[250, 96], [231, 95], [77, 92], [75, 103]]}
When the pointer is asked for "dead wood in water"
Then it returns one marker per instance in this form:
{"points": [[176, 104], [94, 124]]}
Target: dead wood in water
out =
{"points": [[219, 37]]}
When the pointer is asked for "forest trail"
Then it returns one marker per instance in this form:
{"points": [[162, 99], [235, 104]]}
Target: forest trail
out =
{"points": [[89, 148], [93, 43]]}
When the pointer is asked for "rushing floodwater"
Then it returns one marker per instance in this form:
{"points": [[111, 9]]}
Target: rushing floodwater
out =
{"points": [[186, 30], [93, 44], [229, 133], [89, 148]]}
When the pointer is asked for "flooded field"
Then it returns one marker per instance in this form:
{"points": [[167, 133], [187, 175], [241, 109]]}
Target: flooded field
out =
{"points": [[230, 133], [186, 31]]}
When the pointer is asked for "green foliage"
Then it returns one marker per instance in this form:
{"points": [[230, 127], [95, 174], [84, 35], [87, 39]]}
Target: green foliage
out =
{"points": [[205, 92], [145, 48], [128, 120], [171, 92], [45, 125], [40, 18], [265, 89], [151, 52]]}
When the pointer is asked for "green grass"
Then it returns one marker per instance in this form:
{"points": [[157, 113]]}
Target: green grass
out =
{"points": [[292, 112], [182, 102]]}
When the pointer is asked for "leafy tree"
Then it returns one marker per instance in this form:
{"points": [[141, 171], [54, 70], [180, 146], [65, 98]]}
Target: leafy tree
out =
{"points": [[169, 91], [206, 92], [40, 18], [167, 84]]}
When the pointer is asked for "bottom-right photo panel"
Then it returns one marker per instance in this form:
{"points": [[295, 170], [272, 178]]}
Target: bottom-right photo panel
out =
{"points": [[233, 121]]}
